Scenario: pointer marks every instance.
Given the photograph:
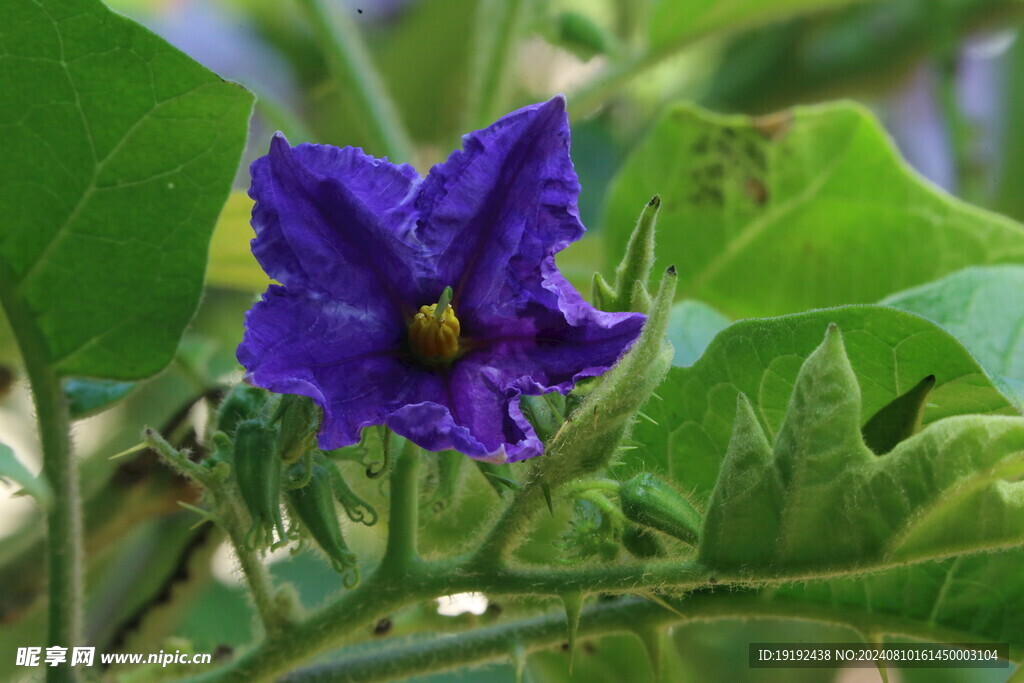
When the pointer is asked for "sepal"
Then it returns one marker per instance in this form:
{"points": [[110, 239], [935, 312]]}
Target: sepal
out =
{"points": [[629, 293]]}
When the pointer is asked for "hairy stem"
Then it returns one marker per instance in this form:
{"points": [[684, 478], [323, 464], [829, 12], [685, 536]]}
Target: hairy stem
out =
{"points": [[374, 598], [64, 518], [350, 61], [257, 578], [229, 516], [401, 552], [383, 594], [513, 524], [388, 661], [64, 522]]}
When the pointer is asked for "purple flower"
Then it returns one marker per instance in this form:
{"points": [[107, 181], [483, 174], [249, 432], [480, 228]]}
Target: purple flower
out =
{"points": [[365, 250]]}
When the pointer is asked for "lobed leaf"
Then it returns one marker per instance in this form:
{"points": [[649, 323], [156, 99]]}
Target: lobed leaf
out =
{"points": [[820, 499], [978, 594], [889, 350]]}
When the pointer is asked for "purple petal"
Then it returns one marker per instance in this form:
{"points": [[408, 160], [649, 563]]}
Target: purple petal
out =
{"points": [[494, 211], [486, 403], [329, 220], [343, 357], [431, 425]]}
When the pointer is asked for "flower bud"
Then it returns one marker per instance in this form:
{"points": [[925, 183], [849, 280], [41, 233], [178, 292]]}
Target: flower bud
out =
{"points": [[258, 473], [314, 506], [648, 501]]}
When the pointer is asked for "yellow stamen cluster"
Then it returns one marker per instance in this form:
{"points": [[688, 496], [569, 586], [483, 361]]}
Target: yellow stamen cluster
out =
{"points": [[434, 339]]}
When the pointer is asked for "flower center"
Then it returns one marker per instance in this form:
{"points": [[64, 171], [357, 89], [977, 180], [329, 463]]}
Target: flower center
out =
{"points": [[434, 331]]}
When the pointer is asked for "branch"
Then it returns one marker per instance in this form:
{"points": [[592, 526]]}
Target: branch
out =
{"points": [[387, 661], [275, 614]]}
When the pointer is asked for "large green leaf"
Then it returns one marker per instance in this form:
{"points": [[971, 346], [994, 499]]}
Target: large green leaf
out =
{"points": [[983, 307], [978, 594], [943, 491], [806, 209], [864, 48], [118, 154], [677, 23], [890, 352]]}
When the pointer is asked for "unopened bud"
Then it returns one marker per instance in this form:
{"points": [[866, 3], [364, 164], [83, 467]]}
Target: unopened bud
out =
{"points": [[314, 506], [650, 502]]}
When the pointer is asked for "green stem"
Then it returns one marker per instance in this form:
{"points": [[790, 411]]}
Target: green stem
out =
{"points": [[513, 524], [64, 518], [498, 28], [583, 485], [273, 618], [350, 61], [400, 555], [388, 661], [384, 593], [1008, 197], [64, 523], [606, 507], [230, 517], [674, 574], [376, 597], [967, 183], [604, 85]]}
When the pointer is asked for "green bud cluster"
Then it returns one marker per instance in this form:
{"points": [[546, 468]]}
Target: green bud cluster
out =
{"points": [[268, 443]]}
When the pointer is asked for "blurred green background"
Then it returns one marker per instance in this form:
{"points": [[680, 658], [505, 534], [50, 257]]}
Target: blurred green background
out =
{"points": [[945, 77]]}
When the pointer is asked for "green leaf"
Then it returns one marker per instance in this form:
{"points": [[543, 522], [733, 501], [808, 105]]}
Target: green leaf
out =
{"points": [[983, 307], [805, 209], [890, 351], [675, 23], [119, 153], [91, 396], [11, 469], [977, 594], [949, 489], [812, 58], [691, 328]]}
